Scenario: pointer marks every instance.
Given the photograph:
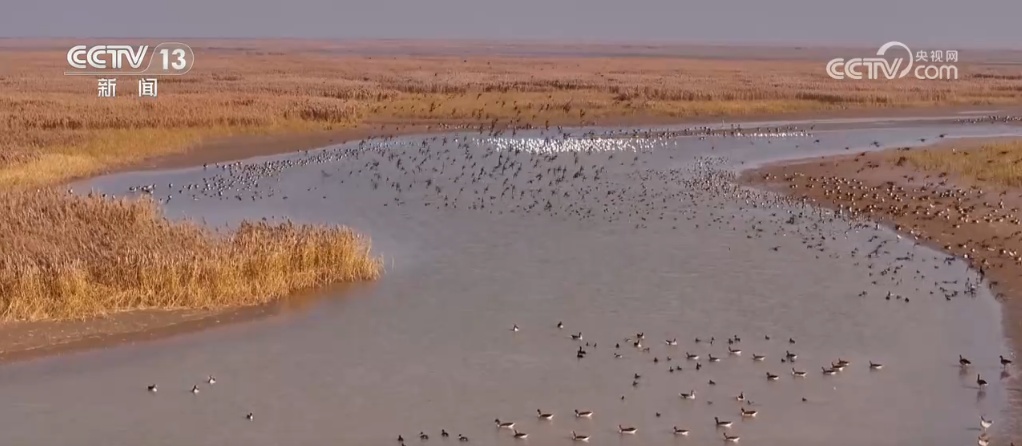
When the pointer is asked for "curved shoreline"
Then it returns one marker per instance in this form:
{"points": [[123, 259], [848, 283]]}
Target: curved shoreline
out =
{"points": [[20, 341]]}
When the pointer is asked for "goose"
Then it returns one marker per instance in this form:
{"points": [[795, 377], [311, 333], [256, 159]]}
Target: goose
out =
{"points": [[712, 358], [544, 416], [837, 367], [211, 380], [688, 396], [827, 371], [721, 423], [578, 437], [672, 341], [250, 416], [732, 438], [980, 381], [843, 363], [771, 376], [680, 431], [748, 413], [195, 389], [504, 425], [152, 388], [798, 373], [734, 351], [626, 430], [1005, 361], [462, 438], [520, 435], [740, 397], [515, 328], [577, 337], [985, 423], [875, 365], [583, 413], [963, 362], [791, 356], [423, 436], [691, 357], [756, 357]]}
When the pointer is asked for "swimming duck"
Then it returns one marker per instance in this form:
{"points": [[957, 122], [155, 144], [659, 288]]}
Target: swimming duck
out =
{"points": [[520, 435], [515, 328], [740, 397], [963, 362], [721, 423], [748, 413], [732, 438], [195, 389], [152, 388], [713, 358], [583, 413], [577, 337], [423, 436], [798, 373], [626, 430], [875, 365], [985, 423], [680, 431], [691, 357], [210, 380], [672, 341], [579, 437], [771, 376], [505, 425], [560, 325], [1005, 361], [544, 416], [250, 416], [734, 351], [756, 357], [827, 371], [688, 396], [462, 438]]}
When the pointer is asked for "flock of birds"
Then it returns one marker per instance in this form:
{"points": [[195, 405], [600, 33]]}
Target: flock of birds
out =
{"points": [[638, 179]]}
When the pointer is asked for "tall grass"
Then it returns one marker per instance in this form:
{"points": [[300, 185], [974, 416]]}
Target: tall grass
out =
{"points": [[996, 162], [66, 258]]}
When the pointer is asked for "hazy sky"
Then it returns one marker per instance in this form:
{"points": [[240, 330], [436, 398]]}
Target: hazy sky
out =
{"points": [[919, 23]]}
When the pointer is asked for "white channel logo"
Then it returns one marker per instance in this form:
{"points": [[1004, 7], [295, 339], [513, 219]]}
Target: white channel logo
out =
{"points": [[924, 65]]}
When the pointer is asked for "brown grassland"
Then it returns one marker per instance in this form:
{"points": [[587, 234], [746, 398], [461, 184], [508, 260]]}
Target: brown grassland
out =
{"points": [[996, 162], [66, 257]]}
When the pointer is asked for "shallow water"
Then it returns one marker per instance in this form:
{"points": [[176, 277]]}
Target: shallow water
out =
{"points": [[430, 346]]}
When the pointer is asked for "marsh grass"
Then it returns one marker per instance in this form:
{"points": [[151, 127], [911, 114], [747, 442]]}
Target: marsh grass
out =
{"points": [[88, 256], [66, 257], [995, 162]]}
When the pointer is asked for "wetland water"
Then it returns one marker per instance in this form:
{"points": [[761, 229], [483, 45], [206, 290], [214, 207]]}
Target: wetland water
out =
{"points": [[629, 235]]}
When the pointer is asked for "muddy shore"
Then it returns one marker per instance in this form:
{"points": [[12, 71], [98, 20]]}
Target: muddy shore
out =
{"points": [[33, 339], [970, 219]]}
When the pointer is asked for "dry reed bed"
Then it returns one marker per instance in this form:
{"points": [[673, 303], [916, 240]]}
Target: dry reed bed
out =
{"points": [[64, 257], [995, 162], [89, 256]]}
